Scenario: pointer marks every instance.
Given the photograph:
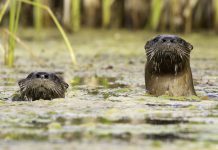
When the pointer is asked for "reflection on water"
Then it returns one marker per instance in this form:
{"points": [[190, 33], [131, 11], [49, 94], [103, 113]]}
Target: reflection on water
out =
{"points": [[105, 82]]}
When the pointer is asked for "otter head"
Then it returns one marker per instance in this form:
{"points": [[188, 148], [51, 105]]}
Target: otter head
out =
{"points": [[167, 53], [42, 85]]}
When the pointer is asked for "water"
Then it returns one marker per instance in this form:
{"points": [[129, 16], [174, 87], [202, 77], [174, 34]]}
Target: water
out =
{"points": [[106, 104]]}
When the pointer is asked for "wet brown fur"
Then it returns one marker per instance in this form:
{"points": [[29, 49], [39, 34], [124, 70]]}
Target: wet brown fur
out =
{"points": [[41, 85], [167, 71]]}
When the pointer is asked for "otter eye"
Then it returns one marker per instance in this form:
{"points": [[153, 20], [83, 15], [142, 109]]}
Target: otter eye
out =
{"points": [[155, 40], [163, 40], [180, 41], [53, 76], [46, 76], [172, 41], [37, 75]]}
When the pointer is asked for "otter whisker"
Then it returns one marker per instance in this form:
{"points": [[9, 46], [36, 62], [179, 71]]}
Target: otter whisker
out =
{"points": [[168, 66], [41, 85]]}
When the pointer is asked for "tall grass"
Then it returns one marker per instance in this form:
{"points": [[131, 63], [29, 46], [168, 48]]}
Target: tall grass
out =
{"points": [[3, 10], [174, 14], [67, 42], [38, 17], [188, 13], [156, 9], [216, 14], [15, 7], [106, 10], [66, 20], [75, 8], [25, 46]]}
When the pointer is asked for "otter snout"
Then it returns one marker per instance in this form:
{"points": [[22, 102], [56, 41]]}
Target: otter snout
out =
{"points": [[42, 75], [42, 85], [165, 41], [169, 40], [168, 66]]}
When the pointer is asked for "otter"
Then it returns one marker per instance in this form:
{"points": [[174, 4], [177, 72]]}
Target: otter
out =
{"points": [[168, 71], [41, 85]]}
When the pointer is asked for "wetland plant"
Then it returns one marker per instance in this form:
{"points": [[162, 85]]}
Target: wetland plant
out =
{"points": [[15, 7]]}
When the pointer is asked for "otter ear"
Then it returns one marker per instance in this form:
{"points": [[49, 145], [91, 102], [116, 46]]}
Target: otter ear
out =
{"points": [[30, 75], [190, 47], [147, 45], [59, 74], [21, 82], [65, 85]]}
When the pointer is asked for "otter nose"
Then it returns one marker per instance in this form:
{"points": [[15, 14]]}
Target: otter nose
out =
{"points": [[168, 40], [42, 75]]}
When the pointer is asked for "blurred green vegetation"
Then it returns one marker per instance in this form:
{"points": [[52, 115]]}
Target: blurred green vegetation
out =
{"points": [[174, 16], [15, 9], [157, 15]]}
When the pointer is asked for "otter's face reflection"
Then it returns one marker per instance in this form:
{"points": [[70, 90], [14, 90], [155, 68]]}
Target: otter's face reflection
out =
{"points": [[42, 85]]}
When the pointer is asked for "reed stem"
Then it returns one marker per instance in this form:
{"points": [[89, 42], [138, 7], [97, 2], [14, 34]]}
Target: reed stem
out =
{"points": [[66, 40], [216, 14], [156, 9], [106, 6], [3, 10], [9, 55], [38, 16], [75, 4]]}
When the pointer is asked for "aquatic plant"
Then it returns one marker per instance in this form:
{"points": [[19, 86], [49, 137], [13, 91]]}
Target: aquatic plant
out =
{"points": [[106, 13], [216, 14], [15, 6], [3, 10], [75, 12], [156, 9], [38, 16], [67, 42]]}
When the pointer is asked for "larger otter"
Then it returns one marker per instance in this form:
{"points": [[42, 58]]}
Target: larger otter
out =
{"points": [[167, 70], [41, 85]]}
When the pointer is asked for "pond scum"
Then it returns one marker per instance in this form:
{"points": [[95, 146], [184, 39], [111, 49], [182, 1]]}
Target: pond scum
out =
{"points": [[106, 106]]}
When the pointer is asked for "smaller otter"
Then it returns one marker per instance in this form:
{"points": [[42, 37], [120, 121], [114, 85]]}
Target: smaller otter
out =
{"points": [[167, 70], [41, 85]]}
